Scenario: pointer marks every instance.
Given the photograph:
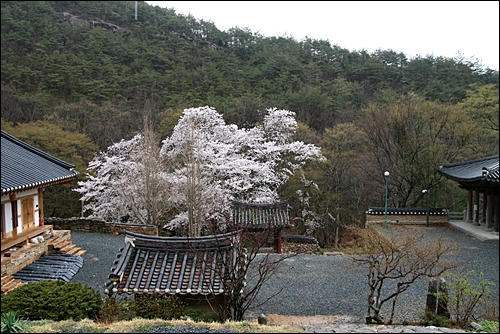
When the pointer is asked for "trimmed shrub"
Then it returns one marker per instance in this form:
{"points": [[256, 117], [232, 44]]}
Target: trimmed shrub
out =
{"points": [[159, 306], [114, 311], [53, 300], [196, 315]]}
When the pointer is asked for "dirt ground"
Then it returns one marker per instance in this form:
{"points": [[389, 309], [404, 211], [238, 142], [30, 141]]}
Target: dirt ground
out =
{"points": [[277, 319]]}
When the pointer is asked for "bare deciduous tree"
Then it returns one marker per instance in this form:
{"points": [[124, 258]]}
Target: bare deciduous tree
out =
{"points": [[403, 258], [244, 274]]}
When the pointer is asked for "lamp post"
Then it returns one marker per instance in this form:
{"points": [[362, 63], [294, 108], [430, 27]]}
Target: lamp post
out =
{"points": [[386, 174], [425, 191]]}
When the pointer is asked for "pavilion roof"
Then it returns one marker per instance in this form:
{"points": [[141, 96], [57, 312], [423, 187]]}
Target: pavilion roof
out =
{"points": [[172, 265], [478, 170], [261, 214]]}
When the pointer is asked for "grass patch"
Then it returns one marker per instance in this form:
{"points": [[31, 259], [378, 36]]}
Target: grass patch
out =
{"points": [[139, 324], [488, 327]]}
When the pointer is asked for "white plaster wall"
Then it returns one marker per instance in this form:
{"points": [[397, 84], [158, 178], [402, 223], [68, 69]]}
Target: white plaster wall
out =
{"points": [[19, 217], [37, 211], [8, 217]]}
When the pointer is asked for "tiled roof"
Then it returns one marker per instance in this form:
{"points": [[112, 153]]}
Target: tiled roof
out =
{"points": [[261, 215], [25, 167], [51, 267], [171, 265], [484, 169]]}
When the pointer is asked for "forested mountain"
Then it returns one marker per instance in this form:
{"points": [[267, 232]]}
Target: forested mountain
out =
{"points": [[90, 68]]}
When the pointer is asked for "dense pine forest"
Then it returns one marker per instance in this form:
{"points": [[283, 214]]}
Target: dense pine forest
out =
{"points": [[78, 76]]}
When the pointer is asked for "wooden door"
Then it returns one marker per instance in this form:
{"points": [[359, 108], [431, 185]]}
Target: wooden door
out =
{"points": [[28, 213]]}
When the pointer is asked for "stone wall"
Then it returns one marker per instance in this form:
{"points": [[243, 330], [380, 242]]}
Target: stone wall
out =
{"points": [[23, 257], [302, 248], [99, 226], [407, 219], [407, 215], [30, 252]]}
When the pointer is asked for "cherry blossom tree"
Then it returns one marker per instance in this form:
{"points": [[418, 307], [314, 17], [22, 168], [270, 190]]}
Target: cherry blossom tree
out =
{"points": [[127, 182], [201, 167], [231, 163]]}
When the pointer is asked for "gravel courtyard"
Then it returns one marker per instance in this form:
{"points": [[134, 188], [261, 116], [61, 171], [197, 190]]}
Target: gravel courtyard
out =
{"points": [[312, 284]]}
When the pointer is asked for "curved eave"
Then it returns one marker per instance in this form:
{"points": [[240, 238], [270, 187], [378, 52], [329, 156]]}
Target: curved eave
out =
{"points": [[490, 178], [35, 185], [110, 288]]}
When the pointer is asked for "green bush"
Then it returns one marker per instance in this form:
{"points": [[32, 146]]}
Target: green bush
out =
{"points": [[196, 315], [463, 297], [53, 300], [432, 319], [488, 327], [159, 306], [114, 311]]}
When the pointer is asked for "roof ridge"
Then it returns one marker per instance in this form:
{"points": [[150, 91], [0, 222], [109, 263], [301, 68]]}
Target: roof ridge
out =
{"points": [[469, 161], [37, 151]]}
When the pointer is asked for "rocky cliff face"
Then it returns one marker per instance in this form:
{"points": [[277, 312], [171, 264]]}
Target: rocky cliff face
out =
{"points": [[76, 21]]}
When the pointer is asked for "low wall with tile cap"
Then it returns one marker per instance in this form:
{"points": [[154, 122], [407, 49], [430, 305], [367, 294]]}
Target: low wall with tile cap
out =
{"points": [[99, 226], [407, 215]]}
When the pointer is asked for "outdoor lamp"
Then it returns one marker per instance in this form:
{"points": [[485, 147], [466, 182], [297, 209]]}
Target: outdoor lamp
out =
{"points": [[386, 174], [425, 191]]}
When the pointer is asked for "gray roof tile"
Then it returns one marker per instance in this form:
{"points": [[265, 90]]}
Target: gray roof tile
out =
{"points": [[479, 170], [51, 267], [25, 167], [171, 265], [270, 215]]}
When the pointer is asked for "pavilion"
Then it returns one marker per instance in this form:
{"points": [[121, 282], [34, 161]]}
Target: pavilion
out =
{"points": [[480, 177]]}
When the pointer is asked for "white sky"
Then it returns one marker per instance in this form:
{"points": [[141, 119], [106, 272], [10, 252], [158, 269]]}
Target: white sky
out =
{"points": [[439, 28]]}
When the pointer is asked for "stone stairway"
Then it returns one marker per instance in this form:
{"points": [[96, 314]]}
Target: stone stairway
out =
{"points": [[9, 283], [66, 247]]}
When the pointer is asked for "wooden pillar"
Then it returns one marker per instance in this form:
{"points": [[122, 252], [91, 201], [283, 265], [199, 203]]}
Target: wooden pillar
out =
{"points": [[40, 206], [489, 210], [475, 218], [278, 241], [483, 210], [469, 206], [495, 212]]}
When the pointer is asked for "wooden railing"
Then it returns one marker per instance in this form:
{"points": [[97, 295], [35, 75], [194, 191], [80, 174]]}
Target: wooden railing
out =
{"points": [[453, 216], [461, 216]]}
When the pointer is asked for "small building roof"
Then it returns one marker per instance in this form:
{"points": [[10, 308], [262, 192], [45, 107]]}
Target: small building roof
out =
{"points": [[25, 167], [256, 215], [472, 171], [51, 267], [172, 265]]}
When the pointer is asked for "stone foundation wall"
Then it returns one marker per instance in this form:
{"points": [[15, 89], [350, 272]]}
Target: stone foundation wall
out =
{"points": [[23, 257], [100, 226], [31, 252], [301, 248]]}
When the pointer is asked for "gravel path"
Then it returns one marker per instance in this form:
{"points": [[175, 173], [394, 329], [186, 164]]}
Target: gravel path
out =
{"points": [[313, 284]]}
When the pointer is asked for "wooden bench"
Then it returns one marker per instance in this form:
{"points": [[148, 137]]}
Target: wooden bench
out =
{"points": [[24, 237]]}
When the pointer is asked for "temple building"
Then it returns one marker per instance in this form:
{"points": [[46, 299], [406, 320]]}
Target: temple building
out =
{"points": [[480, 177]]}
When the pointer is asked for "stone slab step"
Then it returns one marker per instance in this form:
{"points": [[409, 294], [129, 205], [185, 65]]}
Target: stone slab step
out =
{"points": [[11, 285], [68, 248], [80, 252]]}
